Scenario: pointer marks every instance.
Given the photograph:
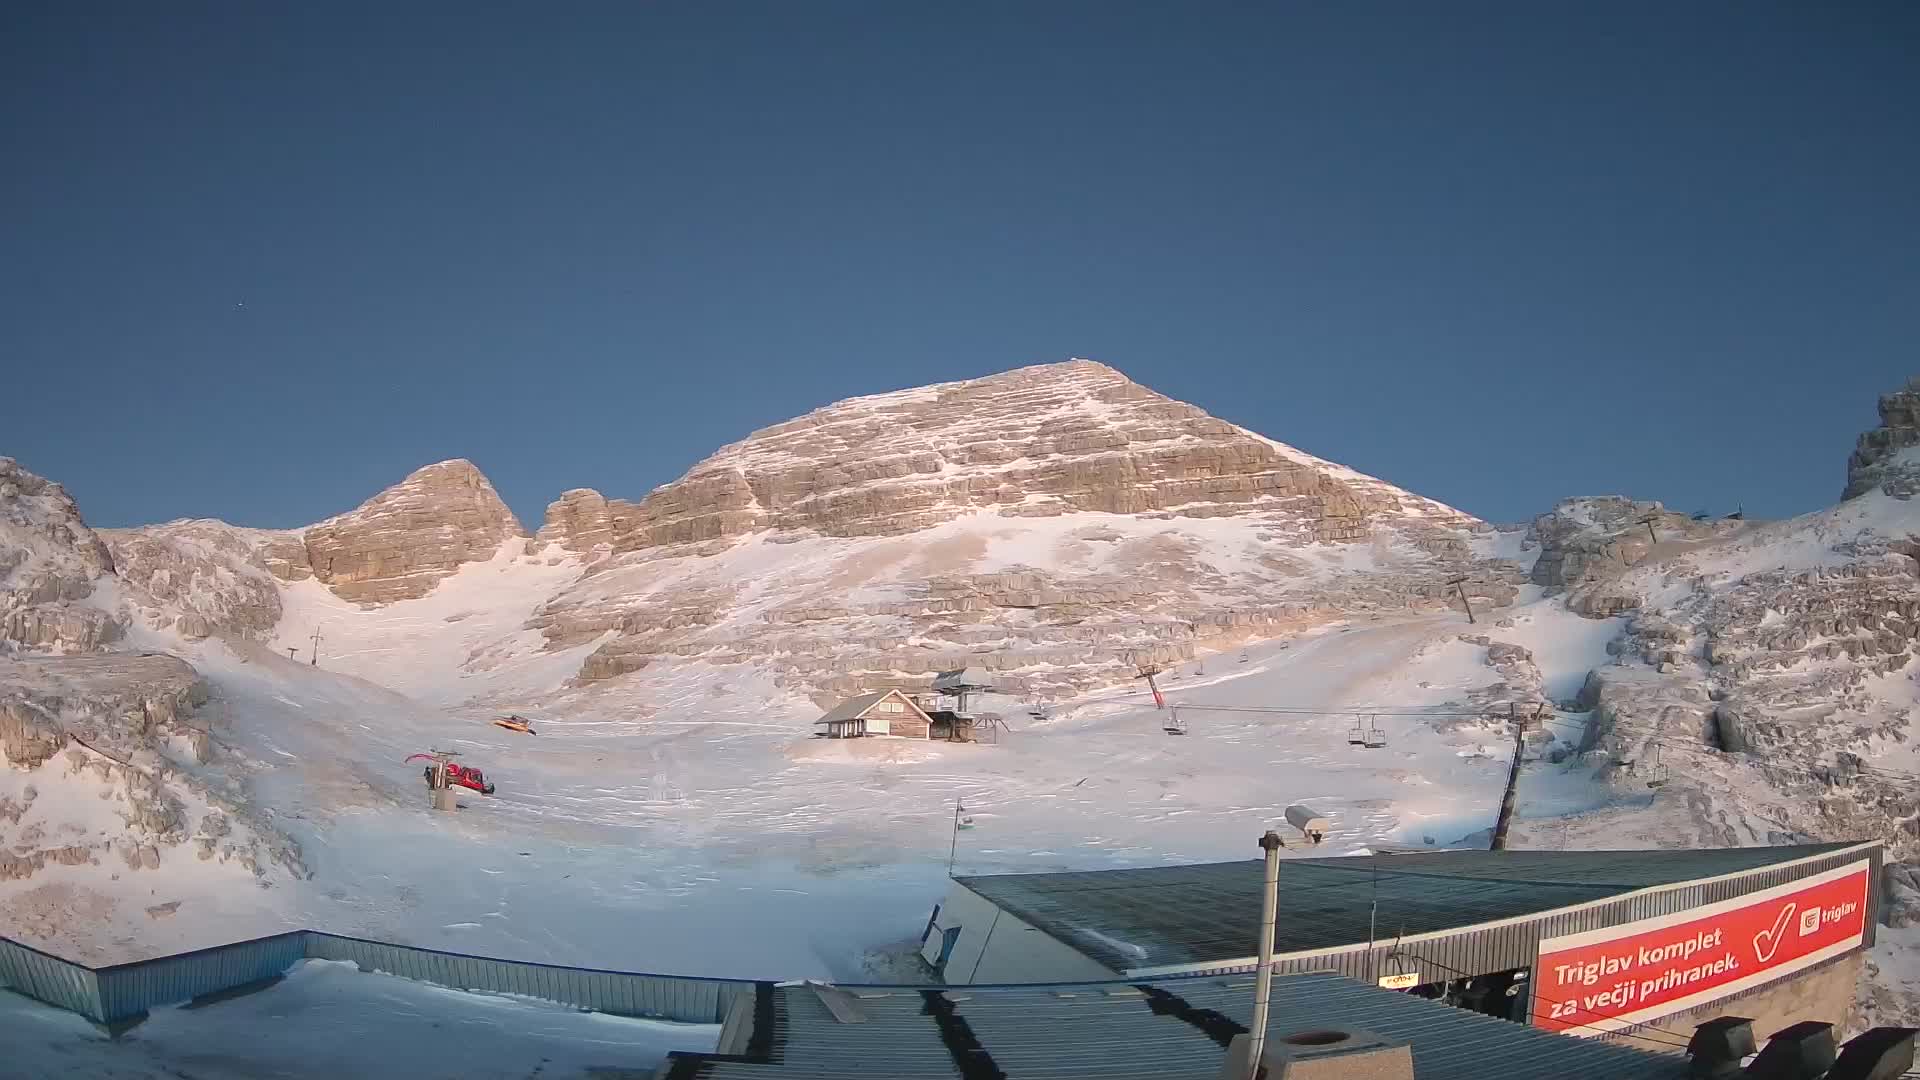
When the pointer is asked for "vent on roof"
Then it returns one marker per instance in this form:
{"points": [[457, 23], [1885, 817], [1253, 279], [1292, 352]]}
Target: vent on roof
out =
{"points": [[1802, 1051], [1719, 1045], [1884, 1053], [1324, 1052]]}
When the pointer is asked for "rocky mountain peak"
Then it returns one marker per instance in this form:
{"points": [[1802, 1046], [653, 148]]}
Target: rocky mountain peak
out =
{"points": [[49, 560], [1880, 459], [400, 543], [1037, 441]]}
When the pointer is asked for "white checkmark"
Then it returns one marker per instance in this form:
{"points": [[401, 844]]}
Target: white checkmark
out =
{"points": [[1767, 942]]}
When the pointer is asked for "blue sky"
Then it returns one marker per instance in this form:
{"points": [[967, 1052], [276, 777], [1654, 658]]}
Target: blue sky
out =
{"points": [[259, 261]]}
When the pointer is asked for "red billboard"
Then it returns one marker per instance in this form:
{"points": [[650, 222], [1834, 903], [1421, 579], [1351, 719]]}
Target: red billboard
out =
{"points": [[1603, 980]]}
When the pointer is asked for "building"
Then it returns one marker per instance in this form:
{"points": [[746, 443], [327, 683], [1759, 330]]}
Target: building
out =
{"points": [[1584, 942], [950, 726], [1169, 1029], [888, 712]]}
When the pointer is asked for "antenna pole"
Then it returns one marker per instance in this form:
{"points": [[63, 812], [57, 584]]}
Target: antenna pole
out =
{"points": [[1373, 916], [1263, 985]]}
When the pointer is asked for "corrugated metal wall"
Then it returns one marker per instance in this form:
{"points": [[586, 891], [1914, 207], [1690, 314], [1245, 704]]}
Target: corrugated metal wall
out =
{"points": [[1517, 944], [48, 978], [127, 990], [624, 993]]}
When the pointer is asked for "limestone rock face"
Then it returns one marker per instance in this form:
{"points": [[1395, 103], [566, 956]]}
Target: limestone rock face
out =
{"points": [[579, 520], [284, 555], [400, 543], [116, 703], [1766, 671], [1038, 441], [1055, 525], [121, 723], [207, 577], [49, 563], [1880, 459], [1597, 538]]}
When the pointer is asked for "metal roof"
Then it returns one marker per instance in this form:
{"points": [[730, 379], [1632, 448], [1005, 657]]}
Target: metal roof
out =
{"points": [[855, 707], [1177, 1029], [970, 678], [1163, 916]]}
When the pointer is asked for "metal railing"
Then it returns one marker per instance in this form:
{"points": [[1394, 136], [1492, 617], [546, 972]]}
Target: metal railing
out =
{"points": [[121, 992]]}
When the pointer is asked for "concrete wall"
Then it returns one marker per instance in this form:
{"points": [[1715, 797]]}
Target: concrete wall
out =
{"points": [[1825, 993], [997, 947]]}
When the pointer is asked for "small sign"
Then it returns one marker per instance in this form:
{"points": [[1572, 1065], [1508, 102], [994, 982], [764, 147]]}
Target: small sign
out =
{"points": [[1404, 981]]}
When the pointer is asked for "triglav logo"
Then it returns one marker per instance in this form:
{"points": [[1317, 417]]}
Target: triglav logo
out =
{"points": [[1809, 922]]}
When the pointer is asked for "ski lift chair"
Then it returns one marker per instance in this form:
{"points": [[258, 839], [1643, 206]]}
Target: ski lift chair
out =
{"points": [[1656, 772], [1366, 733], [1173, 725]]}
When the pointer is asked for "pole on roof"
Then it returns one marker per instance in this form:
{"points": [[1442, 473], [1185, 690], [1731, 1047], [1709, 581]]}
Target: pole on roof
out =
{"points": [[1263, 982], [954, 845], [1373, 918]]}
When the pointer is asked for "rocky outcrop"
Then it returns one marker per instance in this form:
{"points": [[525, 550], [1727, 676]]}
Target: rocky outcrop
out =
{"points": [[1597, 538], [399, 544], [49, 562], [1880, 459], [204, 577], [1037, 441], [1765, 672], [579, 520], [115, 703], [106, 727], [284, 554]]}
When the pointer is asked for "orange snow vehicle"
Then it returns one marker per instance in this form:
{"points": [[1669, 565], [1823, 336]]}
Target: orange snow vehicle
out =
{"points": [[515, 723]]}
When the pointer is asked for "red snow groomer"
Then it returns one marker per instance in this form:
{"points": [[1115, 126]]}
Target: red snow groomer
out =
{"points": [[457, 775], [462, 776]]}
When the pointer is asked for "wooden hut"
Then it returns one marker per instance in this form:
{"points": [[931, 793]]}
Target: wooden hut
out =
{"points": [[888, 712]]}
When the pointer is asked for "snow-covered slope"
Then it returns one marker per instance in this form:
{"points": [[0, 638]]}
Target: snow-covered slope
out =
{"points": [[1057, 526]]}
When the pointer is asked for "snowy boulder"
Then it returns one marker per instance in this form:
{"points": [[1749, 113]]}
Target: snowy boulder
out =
{"points": [[214, 825], [1503, 654]]}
